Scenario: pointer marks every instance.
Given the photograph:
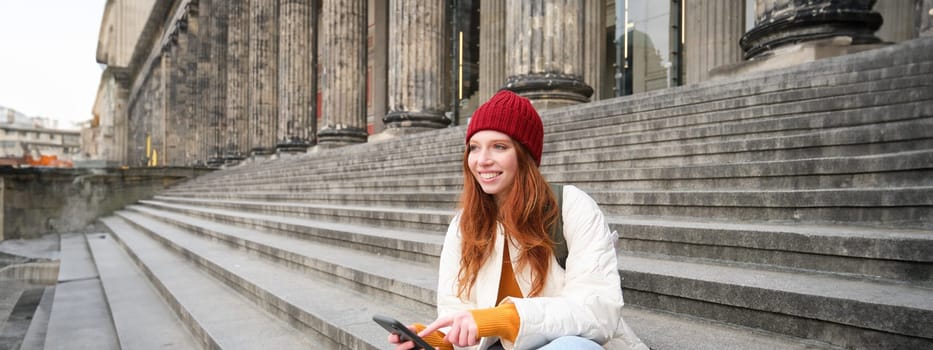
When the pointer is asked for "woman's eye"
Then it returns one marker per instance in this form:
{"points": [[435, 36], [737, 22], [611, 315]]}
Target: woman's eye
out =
{"points": [[472, 148], [501, 147]]}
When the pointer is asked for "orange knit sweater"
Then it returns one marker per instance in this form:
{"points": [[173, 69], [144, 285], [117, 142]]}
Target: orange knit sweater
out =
{"points": [[502, 321]]}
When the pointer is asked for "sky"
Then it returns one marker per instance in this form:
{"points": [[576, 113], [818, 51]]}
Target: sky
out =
{"points": [[47, 58]]}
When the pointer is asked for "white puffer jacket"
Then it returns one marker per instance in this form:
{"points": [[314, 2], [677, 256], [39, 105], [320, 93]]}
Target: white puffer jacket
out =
{"points": [[585, 300]]}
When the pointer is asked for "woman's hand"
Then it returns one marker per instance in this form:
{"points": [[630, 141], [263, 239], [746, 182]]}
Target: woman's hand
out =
{"points": [[399, 345], [463, 330]]}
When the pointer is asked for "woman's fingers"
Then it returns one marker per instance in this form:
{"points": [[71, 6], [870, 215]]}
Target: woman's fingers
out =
{"points": [[463, 329], [399, 345], [436, 325]]}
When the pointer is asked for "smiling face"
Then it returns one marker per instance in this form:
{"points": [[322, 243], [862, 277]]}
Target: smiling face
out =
{"points": [[493, 161]]}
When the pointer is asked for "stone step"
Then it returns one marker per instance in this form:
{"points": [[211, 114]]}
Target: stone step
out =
{"points": [[141, 318], [850, 250], [444, 168], [289, 293], [746, 130], [431, 220], [708, 107], [79, 318], [910, 207], [848, 142], [378, 273], [213, 312], [770, 128], [10, 292], [668, 331], [39, 324], [902, 60], [856, 252], [844, 312], [866, 142], [440, 199], [759, 114], [437, 142], [18, 303], [398, 281], [625, 265], [901, 169], [410, 245]]}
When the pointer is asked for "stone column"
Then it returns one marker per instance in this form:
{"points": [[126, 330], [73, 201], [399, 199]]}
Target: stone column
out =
{"points": [[193, 116], [380, 72], [297, 88], [925, 18], [713, 31], [343, 70], [418, 66], [176, 126], [263, 71], [545, 52], [899, 22], [594, 47], [779, 23], [492, 73], [217, 97], [236, 128], [158, 135]]}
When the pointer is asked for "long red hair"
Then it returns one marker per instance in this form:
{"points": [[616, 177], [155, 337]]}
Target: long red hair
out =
{"points": [[526, 213]]}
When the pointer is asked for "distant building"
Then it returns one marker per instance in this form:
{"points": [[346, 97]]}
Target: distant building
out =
{"points": [[37, 136]]}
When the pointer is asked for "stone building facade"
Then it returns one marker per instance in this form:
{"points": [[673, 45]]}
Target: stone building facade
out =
{"points": [[211, 82], [34, 136]]}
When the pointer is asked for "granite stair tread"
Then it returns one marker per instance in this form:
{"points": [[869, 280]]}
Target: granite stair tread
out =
{"points": [[79, 318], [866, 304], [649, 320], [916, 244], [346, 318], [413, 242], [619, 177], [141, 317], [668, 331], [224, 318], [314, 205], [337, 259]]}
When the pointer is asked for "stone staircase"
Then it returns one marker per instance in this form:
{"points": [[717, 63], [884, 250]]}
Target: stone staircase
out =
{"points": [[785, 210]]}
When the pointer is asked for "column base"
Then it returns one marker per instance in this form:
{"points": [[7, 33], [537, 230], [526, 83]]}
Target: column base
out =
{"points": [[395, 132], [336, 137], [415, 120], [233, 157], [791, 23], [261, 151], [215, 161], [550, 90], [792, 55], [293, 145]]}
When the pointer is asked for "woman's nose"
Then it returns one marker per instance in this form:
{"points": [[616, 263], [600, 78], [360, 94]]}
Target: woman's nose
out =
{"points": [[484, 157]]}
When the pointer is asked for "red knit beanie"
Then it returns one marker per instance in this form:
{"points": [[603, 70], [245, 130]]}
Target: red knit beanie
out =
{"points": [[513, 115]]}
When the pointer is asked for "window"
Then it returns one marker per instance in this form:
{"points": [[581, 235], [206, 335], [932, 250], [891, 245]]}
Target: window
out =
{"points": [[648, 45]]}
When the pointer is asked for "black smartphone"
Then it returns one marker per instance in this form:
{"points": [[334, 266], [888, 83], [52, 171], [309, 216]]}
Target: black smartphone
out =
{"points": [[394, 326]]}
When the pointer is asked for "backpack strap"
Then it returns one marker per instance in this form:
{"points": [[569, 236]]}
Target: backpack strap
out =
{"points": [[556, 231]]}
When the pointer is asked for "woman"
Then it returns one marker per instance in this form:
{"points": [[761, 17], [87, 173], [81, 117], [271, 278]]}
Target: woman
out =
{"points": [[499, 283]]}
